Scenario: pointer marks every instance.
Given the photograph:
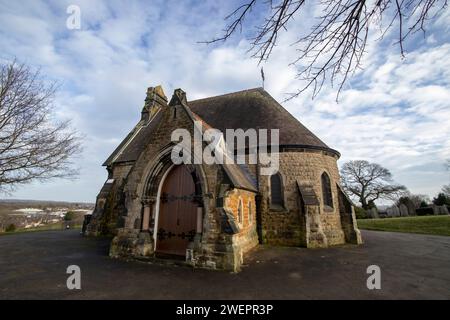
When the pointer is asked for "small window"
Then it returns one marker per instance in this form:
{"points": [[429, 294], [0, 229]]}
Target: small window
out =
{"points": [[240, 212], [326, 191], [276, 192], [250, 212]]}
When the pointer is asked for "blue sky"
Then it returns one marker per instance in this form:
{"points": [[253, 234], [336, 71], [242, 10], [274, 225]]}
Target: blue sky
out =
{"points": [[394, 111]]}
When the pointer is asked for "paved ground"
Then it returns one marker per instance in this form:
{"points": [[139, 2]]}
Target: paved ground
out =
{"points": [[33, 265]]}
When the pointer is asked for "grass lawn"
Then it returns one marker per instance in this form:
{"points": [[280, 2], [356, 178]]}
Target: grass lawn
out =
{"points": [[436, 225], [48, 227]]}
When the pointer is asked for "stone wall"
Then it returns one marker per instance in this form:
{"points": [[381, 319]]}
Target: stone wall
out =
{"points": [[221, 242], [247, 237], [109, 207], [212, 248], [285, 227]]}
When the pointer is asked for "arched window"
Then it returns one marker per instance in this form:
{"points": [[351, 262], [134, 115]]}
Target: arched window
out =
{"points": [[240, 212], [250, 213], [276, 191], [326, 190]]}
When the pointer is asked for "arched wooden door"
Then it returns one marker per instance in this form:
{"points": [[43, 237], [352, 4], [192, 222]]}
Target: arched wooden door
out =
{"points": [[177, 212]]}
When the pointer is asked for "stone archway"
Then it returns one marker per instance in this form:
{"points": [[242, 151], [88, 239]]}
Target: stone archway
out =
{"points": [[153, 200]]}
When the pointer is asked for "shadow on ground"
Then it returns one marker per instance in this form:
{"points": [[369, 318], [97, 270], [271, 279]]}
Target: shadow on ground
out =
{"points": [[33, 266]]}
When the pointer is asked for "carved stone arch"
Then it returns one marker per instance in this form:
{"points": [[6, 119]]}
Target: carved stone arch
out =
{"points": [[161, 164], [153, 177]]}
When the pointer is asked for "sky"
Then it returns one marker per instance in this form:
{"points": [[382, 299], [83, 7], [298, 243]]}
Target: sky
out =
{"points": [[394, 111]]}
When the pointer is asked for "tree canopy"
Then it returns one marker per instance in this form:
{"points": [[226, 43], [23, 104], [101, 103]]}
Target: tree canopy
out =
{"points": [[369, 182], [33, 145], [441, 199]]}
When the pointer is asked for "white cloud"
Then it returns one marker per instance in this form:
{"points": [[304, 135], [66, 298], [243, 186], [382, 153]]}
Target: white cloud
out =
{"points": [[394, 112]]}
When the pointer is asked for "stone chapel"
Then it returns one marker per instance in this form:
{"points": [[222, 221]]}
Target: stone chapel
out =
{"points": [[211, 215]]}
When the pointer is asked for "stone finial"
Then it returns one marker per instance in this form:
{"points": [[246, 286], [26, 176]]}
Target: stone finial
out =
{"points": [[153, 102], [178, 98]]}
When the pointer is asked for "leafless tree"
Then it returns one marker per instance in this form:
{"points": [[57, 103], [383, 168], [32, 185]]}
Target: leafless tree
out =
{"points": [[332, 49], [33, 146], [369, 182], [446, 190]]}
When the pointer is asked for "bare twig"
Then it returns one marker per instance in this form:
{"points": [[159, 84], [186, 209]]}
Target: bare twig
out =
{"points": [[333, 48], [32, 146], [369, 182]]}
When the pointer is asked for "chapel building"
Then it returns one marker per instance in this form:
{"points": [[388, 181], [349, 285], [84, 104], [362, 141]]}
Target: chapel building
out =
{"points": [[211, 215]]}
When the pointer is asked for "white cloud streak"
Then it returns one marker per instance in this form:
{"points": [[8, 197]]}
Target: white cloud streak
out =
{"points": [[394, 112]]}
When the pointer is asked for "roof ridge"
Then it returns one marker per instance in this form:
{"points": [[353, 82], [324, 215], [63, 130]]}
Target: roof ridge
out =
{"points": [[228, 94], [285, 111]]}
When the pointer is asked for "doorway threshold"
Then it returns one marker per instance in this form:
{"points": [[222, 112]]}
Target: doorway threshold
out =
{"points": [[165, 259]]}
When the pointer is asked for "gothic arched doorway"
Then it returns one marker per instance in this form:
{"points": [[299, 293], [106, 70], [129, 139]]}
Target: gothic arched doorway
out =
{"points": [[177, 216]]}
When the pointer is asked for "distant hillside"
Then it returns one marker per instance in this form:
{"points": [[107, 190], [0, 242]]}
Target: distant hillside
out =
{"points": [[25, 214], [40, 204]]}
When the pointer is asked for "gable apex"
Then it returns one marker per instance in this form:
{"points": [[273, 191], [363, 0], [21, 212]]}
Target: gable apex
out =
{"points": [[178, 98]]}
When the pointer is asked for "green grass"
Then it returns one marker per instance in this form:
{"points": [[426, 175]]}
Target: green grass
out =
{"points": [[436, 225], [49, 227]]}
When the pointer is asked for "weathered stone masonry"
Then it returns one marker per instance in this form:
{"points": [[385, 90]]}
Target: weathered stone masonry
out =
{"points": [[233, 203]]}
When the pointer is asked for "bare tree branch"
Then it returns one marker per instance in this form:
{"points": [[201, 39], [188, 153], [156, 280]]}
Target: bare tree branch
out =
{"points": [[334, 47], [32, 145], [369, 182], [240, 15]]}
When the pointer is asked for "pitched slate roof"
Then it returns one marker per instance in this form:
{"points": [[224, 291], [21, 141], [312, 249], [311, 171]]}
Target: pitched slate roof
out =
{"points": [[134, 143], [238, 174], [253, 108]]}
